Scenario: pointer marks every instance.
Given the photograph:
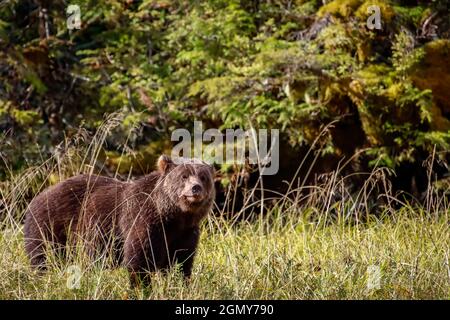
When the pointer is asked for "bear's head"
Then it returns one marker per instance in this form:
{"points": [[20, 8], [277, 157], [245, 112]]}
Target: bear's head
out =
{"points": [[188, 183]]}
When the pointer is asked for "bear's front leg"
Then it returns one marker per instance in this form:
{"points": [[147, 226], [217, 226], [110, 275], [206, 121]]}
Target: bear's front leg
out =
{"points": [[143, 253], [135, 261], [185, 249]]}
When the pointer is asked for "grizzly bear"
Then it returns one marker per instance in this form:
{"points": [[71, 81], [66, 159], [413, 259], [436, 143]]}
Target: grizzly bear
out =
{"points": [[151, 223]]}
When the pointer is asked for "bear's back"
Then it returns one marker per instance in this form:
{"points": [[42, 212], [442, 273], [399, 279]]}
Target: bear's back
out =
{"points": [[60, 205]]}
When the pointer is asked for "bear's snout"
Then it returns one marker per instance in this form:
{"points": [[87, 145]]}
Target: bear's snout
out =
{"points": [[193, 191]]}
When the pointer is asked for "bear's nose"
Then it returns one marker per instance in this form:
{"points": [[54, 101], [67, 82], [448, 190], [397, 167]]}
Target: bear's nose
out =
{"points": [[196, 189]]}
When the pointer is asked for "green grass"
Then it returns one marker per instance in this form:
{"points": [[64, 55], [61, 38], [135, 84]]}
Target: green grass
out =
{"points": [[289, 258], [318, 246]]}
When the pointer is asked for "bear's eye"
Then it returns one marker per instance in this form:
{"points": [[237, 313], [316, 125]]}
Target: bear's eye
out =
{"points": [[203, 178], [184, 176]]}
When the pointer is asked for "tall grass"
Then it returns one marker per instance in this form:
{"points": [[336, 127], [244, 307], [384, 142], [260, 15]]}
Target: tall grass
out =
{"points": [[315, 242]]}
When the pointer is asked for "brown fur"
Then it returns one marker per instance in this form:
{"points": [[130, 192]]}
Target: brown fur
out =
{"points": [[152, 222]]}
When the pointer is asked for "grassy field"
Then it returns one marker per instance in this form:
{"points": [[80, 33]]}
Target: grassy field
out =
{"points": [[310, 245], [401, 257]]}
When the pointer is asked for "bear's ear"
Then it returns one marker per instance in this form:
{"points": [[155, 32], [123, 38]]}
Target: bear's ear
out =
{"points": [[212, 169], [164, 163]]}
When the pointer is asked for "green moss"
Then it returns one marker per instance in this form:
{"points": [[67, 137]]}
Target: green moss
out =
{"points": [[433, 73], [4, 107], [395, 91], [439, 122], [364, 51], [375, 74], [335, 37], [414, 15], [340, 8], [387, 11], [140, 162], [346, 8], [25, 118], [439, 47]]}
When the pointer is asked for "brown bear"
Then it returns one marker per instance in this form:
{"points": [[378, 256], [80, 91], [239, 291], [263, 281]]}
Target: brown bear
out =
{"points": [[152, 223]]}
